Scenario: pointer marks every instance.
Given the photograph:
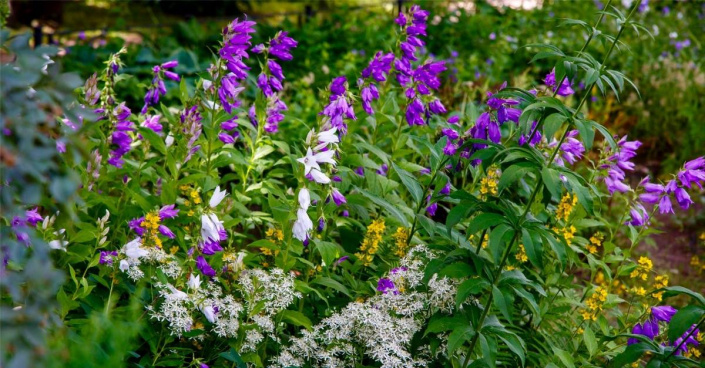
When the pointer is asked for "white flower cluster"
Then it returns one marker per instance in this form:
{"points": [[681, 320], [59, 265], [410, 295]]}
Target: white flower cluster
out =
{"points": [[274, 289], [135, 254], [180, 309], [383, 325], [323, 153]]}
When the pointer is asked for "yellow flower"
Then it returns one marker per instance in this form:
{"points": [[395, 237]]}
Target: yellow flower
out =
{"points": [[485, 241], [640, 291], [521, 254], [594, 304], [510, 268], [400, 237], [595, 242], [565, 207], [488, 184], [370, 244], [195, 197], [173, 249], [643, 267]]}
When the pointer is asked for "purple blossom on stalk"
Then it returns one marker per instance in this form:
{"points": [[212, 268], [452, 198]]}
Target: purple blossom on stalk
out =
{"points": [[383, 169], [168, 212], [152, 123], [107, 257], [431, 208], [191, 122], [210, 247], [663, 313], [385, 285], [281, 45], [166, 232], [321, 225], [571, 149], [377, 70], [229, 133], [229, 91], [33, 217], [639, 215], [339, 107], [446, 189], [617, 163], [157, 88], [236, 41], [565, 88], [204, 267], [341, 260], [60, 146], [338, 198]]}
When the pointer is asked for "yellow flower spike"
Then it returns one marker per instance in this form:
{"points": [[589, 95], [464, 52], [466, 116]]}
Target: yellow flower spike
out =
{"points": [[174, 249], [370, 244], [521, 254], [400, 237]]}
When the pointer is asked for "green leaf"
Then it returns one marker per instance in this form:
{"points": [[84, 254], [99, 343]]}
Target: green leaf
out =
{"points": [[590, 341], [440, 323], [630, 355], [234, 357], [683, 320], [410, 182], [329, 251], [296, 318], [586, 132], [515, 344], [551, 181], [262, 152], [153, 139], [675, 290], [393, 210], [565, 357], [552, 123], [329, 282], [470, 287], [501, 302], [484, 221], [458, 337]]}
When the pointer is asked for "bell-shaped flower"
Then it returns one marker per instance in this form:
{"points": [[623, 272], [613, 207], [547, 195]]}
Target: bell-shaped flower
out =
{"points": [[217, 197], [134, 249], [194, 282], [303, 225]]}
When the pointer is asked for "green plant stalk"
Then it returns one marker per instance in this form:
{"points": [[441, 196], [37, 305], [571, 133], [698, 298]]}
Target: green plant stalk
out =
{"points": [[421, 202], [585, 45]]}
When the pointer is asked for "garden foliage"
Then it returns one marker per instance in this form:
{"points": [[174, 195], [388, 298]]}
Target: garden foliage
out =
{"points": [[390, 228]]}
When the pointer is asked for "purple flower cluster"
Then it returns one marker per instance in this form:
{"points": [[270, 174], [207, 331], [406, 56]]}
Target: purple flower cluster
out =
{"points": [[229, 133], [377, 70], [204, 267], [191, 123], [650, 329], [158, 89], [488, 123], [385, 285], [418, 81], [107, 257], [236, 41], [152, 123], [272, 76], [619, 162], [31, 218], [535, 139], [339, 107], [571, 150], [120, 136], [693, 172], [564, 89]]}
